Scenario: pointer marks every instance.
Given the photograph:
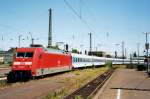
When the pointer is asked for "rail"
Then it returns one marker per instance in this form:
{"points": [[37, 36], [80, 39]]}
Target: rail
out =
{"points": [[3, 78]]}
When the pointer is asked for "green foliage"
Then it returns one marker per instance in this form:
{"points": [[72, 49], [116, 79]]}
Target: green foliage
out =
{"points": [[56, 94], [109, 64], [77, 79], [78, 97], [108, 56], [5, 65], [141, 67], [3, 83], [55, 47], [1, 63], [74, 51]]}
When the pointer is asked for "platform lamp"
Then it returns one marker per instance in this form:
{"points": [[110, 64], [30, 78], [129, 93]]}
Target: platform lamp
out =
{"points": [[147, 48]]}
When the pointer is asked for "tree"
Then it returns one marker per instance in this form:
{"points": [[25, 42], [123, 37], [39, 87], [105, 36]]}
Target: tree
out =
{"points": [[74, 51], [115, 54], [134, 54]]}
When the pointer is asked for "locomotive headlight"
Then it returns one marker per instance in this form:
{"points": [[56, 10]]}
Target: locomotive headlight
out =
{"points": [[29, 66], [14, 66], [28, 63]]}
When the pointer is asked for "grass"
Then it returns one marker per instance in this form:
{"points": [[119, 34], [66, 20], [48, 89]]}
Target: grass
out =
{"points": [[4, 65], [119, 66], [3, 84], [56, 94], [79, 78], [78, 97]]}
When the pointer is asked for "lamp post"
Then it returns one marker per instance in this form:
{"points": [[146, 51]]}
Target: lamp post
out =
{"points": [[123, 51], [147, 48], [2, 39], [32, 40], [19, 38], [90, 34], [138, 45], [81, 46], [116, 54]]}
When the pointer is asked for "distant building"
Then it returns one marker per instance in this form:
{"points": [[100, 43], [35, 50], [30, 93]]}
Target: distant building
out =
{"points": [[1, 59], [7, 56], [2, 55]]}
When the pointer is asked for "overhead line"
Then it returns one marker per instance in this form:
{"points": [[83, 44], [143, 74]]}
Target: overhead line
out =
{"points": [[8, 26], [73, 10]]}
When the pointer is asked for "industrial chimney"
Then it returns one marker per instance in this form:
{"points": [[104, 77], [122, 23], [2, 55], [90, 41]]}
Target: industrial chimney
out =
{"points": [[50, 29]]}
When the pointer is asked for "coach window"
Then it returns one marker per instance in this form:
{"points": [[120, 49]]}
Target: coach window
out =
{"points": [[87, 60], [73, 59], [76, 59]]}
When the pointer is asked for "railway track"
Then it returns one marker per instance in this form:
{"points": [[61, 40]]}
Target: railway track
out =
{"points": [[3, 73], [3, 78], [90, 89]]}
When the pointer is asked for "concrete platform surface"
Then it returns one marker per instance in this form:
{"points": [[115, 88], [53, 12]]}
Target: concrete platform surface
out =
{"points": [[126, 84]]}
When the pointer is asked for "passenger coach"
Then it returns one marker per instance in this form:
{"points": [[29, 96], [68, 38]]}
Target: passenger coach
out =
{"points": [[80, 60]]}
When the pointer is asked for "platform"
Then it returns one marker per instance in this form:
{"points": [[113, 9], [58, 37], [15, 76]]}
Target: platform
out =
{"points": [[126, 84]]}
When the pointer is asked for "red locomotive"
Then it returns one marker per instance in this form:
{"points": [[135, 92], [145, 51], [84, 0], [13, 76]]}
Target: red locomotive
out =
{"points": [[35, 61]]}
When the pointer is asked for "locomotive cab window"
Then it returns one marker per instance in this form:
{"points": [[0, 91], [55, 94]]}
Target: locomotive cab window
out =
{"points": [[20, 54], [24, 54], [29, 54]]}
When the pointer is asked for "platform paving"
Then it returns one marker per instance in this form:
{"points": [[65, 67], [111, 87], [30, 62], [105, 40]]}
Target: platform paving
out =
{"points": [[126, 84]]}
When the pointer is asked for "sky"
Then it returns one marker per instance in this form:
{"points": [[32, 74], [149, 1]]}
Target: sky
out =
{"points": [[111, 22]]}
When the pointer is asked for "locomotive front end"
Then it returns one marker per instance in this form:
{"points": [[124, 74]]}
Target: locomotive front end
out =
{"points": [[22, 65], [23, 61]]}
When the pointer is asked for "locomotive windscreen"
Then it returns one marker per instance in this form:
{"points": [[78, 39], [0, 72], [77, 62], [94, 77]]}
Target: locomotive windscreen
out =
{"points": [[24, 54]]}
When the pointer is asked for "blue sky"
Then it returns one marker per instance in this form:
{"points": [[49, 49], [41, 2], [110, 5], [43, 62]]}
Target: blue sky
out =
{"points": [[123, 20]]}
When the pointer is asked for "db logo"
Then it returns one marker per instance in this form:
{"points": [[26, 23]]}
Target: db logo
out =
{"points": [[58, 62]]}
